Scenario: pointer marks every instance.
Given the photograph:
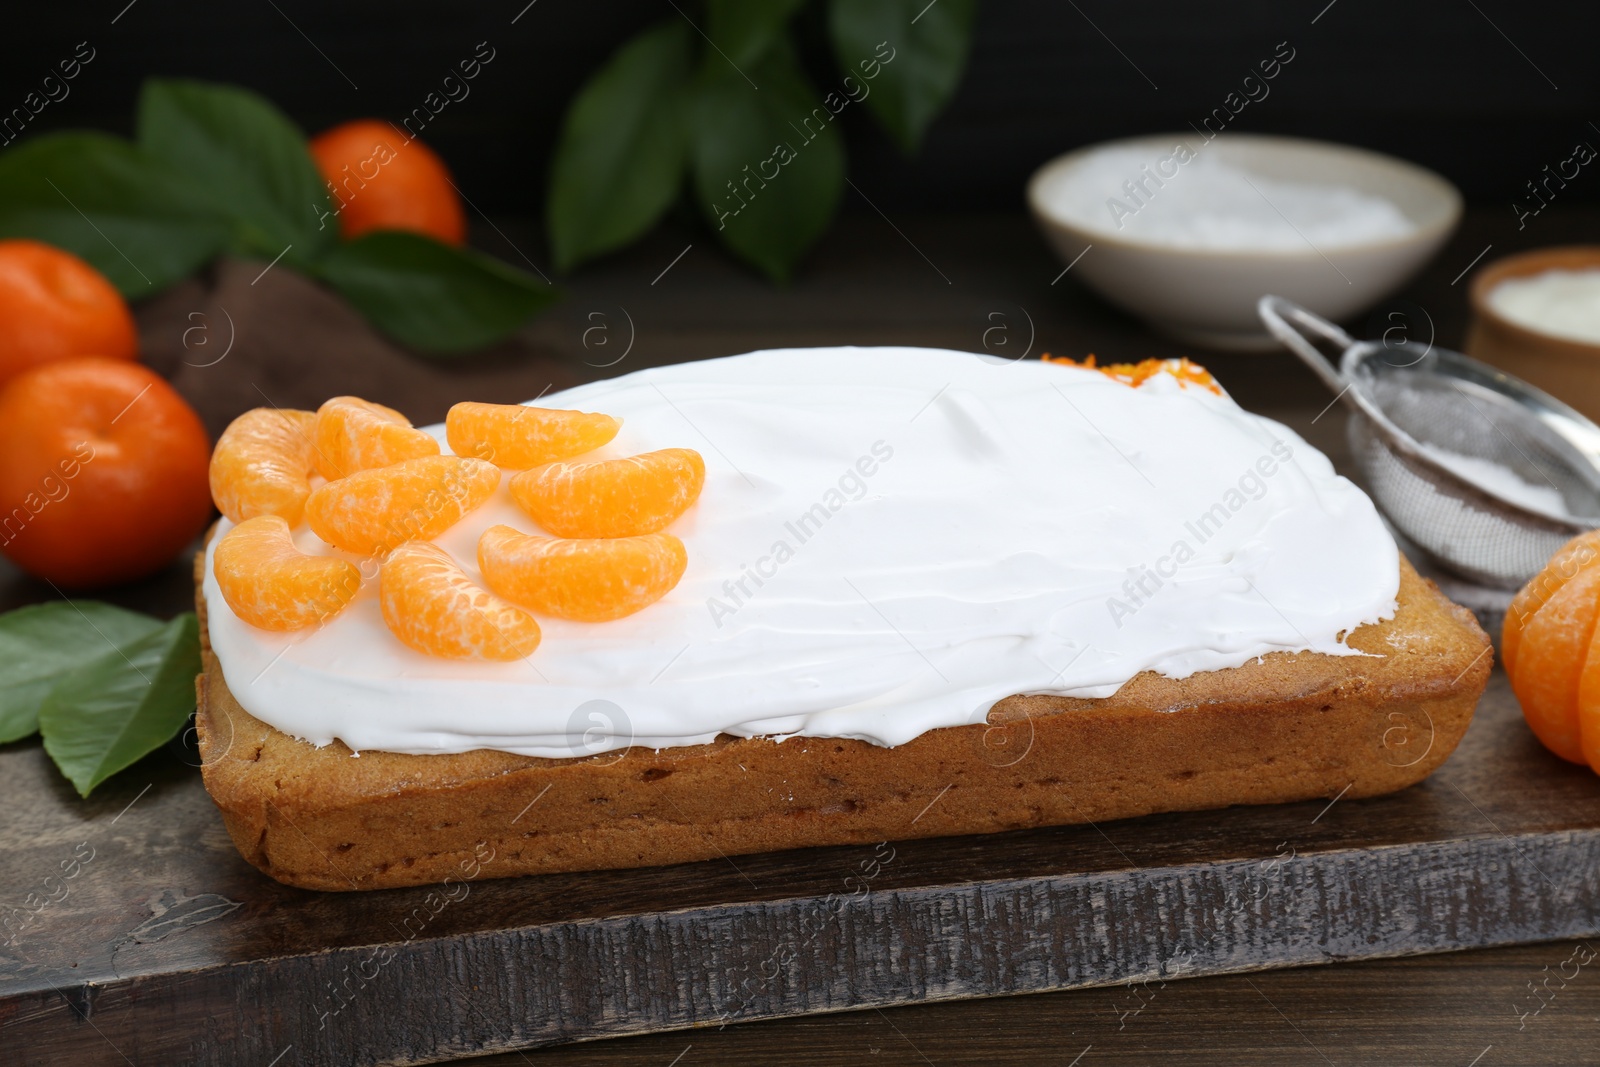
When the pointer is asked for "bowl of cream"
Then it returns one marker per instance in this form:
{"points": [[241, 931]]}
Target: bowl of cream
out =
{"points": [[1187, 232], [1537, 315]]}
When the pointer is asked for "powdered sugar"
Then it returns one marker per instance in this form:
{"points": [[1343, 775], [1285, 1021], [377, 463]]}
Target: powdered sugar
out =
{"points": [[1194, 199]]}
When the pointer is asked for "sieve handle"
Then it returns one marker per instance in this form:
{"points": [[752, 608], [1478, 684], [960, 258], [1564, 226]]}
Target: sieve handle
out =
{"points": [[1277, 314]]}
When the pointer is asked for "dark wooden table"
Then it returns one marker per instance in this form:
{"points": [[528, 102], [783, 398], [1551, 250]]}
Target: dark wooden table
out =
{"points": [[967, 283]]}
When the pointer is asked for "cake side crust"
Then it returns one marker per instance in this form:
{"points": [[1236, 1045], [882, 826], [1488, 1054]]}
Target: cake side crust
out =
{"points": [[1283, 728]]}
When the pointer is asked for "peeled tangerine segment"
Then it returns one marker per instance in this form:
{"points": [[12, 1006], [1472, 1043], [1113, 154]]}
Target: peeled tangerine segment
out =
{"points": [[270, 583], [430, 604], [1550, 666], [371, 512], [262, 465], [1577, 554], [612, 497], [591, 580], [519, 437], [357, 435]]}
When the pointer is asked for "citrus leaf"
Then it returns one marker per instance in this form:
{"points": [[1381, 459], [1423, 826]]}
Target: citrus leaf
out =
{"points": [[620, 158], [768, 164], [918, 50], [743, 30], [246, 161], [122, 705], [42, 643], [434, 297], [99, 198]]}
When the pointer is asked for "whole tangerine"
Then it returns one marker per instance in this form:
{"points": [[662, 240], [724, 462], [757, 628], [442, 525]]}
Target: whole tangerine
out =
{"points": [[53, 306], [381, 179], [103, 472]]}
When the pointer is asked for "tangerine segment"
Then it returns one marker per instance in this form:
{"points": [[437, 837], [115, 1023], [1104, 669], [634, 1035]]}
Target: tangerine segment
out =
{"points": [[262, 465], [357, 435], [372, 511], [270, 583], [1548, 677], [519, 437], [1580, 552], [590, 580], [612, 497], [431, 605]]}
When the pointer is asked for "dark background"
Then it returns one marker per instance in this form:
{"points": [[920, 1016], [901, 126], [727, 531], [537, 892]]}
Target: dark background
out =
{"points": [[1486, 103]]}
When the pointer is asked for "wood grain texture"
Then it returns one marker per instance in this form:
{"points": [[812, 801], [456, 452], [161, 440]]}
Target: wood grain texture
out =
{"points": [[1422, 1011], [1501, 845]]}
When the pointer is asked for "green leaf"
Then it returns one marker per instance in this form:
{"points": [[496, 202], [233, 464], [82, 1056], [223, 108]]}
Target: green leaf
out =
{"points": [[122, 705], [432, 296], [620, 159], [43, 643], [245, 160], [743, 30], [98, 197], [768, 163], [917, 49]]}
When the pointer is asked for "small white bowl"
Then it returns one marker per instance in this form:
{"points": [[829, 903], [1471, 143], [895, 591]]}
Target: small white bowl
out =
{"points": [[1208, 296]]}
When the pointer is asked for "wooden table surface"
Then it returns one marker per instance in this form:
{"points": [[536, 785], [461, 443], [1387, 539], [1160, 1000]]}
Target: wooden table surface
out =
{"points": [[968, 283]]}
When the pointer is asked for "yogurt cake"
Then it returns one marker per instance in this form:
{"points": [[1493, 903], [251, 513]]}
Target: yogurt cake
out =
{"points": [[927, 593]]}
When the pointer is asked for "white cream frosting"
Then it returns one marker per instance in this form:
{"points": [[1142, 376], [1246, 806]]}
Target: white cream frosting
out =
{"points": [[889, 541]]}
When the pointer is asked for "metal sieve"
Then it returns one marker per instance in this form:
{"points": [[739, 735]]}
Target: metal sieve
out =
{"points": [[1419, 419]]}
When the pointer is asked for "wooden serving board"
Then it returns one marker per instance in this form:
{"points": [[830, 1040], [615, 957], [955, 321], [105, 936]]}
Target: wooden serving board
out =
{"points": [[134, 932]]}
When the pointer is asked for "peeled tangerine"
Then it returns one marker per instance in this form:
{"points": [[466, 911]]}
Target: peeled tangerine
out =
{"points": [[371, 512], [357, 435], [431, 605], [1552, 651], [519, 437], [262, 465], [270, 583], [591, 580], [613, 497]]}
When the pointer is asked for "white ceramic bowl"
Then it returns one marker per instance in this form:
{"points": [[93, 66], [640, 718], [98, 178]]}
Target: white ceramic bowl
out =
{"points": [[1208, 296]]}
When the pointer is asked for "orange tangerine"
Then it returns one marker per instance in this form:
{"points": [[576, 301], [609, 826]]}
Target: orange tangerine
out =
{"points": [[612, 497], [262, 465], [1576, 555], [519, 437], [372, 511], [431, 605], [1549, 676], [590, 580], [270, 583], [357, 435]]}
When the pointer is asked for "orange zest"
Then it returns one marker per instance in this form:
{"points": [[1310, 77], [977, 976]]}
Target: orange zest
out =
{"points": [[355, 435], [589, 580], [1136, 374], [519, 437], [270, 583], [262, 465], [430, 604], [372, 511], [613, 497]]}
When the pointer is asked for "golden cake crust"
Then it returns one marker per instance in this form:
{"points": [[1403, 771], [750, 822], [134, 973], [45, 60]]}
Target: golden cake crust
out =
{"points": [[1282, 728]]}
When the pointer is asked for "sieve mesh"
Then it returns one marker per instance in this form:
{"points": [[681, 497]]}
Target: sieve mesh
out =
{"points": [[1407, 397]]}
